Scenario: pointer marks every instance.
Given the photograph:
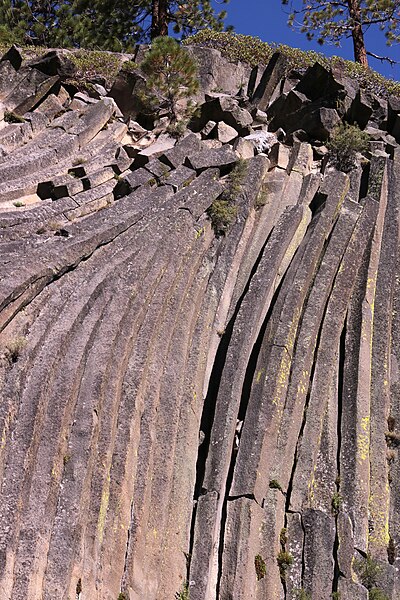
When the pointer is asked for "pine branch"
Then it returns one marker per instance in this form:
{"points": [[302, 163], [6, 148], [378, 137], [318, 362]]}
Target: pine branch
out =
{"points": [[384, 58]]}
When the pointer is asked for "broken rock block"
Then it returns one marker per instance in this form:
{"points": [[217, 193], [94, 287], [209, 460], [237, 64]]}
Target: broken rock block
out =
{"points": [[273, 73], [320, 122], [223, 158], [224, 108], [13, 56], [186, 147], [56, 62], [30, 90], [279, 156], [217, 73], [361, 108], [301, 158], [155, 150], [132, 181], [208, 128], [179, 178], [124, 89], [393, 125], [225, 133], [212, 144], [245, 148], [327, 83], [157, 168]]}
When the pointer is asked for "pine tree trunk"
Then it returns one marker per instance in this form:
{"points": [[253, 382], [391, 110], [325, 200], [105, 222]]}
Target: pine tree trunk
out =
{"points": [[155, 8], [360, 52], [159, 18], [163, 17]]}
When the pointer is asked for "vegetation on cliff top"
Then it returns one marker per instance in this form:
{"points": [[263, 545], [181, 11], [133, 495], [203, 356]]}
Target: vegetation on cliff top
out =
{"points": [[254, 51], [234, 47]]}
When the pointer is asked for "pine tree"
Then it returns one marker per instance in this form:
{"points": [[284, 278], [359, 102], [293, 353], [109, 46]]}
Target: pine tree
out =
{"points": [[171, 74], [333, 20], [113, 25], [28, 22]]}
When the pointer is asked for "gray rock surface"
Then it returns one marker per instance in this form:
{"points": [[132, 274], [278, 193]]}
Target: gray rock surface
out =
{"points": [[199, 347]]}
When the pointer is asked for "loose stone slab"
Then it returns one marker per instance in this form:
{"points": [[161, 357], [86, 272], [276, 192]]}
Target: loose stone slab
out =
{"points": [[138, 178], [179, 178], [222, 158], [157, 168], [273, 73], [183, 149]]}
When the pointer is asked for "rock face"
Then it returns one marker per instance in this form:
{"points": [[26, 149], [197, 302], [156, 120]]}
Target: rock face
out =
{"points": [[190, 409]]}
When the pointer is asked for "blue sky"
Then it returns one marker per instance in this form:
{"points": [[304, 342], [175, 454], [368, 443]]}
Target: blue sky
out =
{"points": [[267, 20]]}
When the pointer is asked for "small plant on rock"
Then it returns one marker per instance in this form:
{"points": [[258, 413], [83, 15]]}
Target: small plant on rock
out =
{"points": [[345, 142], [301, 594], [285, 560], [14, 348], [337, 502], [12, 117], [283, 537], [377, 594], [222, 215], [184, 594], [235, 180], [259, 564], [275, 485], [171, 75], [223, 211], [368, 571]]}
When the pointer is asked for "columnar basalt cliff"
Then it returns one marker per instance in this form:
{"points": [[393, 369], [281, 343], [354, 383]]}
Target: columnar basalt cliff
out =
{"points": [[199, 339]]}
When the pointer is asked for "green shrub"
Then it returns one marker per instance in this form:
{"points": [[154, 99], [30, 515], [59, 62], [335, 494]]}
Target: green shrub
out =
{"points": [[8, 37], [184, 594], [223, 211], [129, 66], [262, 198], [336, 595], [368, 571], [284, 560], [283, 537], [92, 63], [176, 130], [222, 214], [301, 594], [345, 141], [377, 594], [235, 180], [14, 348], [337, 502], [259, 564], [275, 485], [12, 117]]}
